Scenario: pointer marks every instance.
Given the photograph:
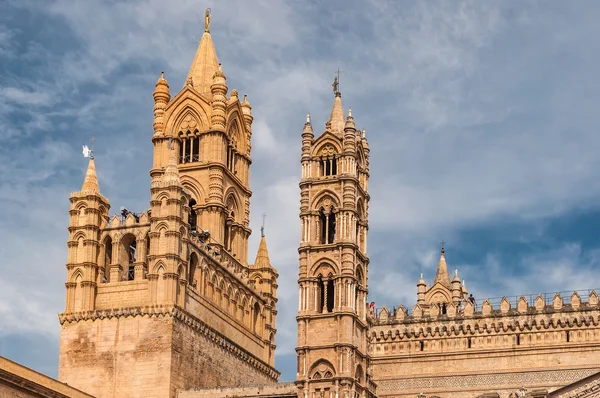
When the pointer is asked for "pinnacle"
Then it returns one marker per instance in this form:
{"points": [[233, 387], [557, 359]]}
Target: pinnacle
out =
{"points": [[171, 174], [90, 182], [441, 275], [205, 65], [336, 119], [262, 257]]}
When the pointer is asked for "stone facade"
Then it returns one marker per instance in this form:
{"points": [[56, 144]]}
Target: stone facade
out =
{"points": [[164, 303], [165, 299], [332, 349], [450, 347]]}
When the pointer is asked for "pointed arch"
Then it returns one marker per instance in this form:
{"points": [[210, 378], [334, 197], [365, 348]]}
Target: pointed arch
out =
{"points": [[79, 235], [187, 104], [326, 198], [324, 267], [193, 187], [324, 141], [320, 368], [78, 294], [77, 273]]}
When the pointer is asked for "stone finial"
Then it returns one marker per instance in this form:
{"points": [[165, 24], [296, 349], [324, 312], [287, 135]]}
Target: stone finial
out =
{"points": [[522, 305], [504, 305]]}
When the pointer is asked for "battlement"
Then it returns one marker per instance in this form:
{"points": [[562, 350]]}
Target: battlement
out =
{"points": [[530, 304]]}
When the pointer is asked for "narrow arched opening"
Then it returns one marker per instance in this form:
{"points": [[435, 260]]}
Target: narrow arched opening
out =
{"points": [[108, 258], [129, 256], [192, 217], [320, 293], [255, 319], [331, 226], [330, 294]]}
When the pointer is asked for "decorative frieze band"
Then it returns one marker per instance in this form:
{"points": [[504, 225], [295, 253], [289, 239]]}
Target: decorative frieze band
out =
{"points": [[181, 316], [491, 381]]}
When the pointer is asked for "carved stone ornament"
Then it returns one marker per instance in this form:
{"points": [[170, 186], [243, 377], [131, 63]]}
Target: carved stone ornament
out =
{"points": [[188, 123], [328, 150]]}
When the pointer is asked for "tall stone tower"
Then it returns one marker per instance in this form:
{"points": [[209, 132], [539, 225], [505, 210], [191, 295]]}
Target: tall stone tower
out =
{"points": [[332, 281], [165, 299]]}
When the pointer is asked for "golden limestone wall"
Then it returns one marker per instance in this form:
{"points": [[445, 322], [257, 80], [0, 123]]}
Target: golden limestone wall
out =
{"points": [[133, 354], [130, 345], [466, 353]]}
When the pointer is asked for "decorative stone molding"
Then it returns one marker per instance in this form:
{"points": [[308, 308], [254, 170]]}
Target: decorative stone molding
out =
{"points": [[485, 380], [179, 315]]}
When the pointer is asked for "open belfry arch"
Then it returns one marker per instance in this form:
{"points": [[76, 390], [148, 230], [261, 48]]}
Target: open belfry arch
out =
{"points": [[165, 299], [333, 359]]}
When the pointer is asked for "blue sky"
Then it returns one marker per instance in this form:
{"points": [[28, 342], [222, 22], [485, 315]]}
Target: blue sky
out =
{"points": [[481, 117]]}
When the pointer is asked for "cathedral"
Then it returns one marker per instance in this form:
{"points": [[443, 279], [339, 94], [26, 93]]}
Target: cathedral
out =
{"points": [[166, 303]]}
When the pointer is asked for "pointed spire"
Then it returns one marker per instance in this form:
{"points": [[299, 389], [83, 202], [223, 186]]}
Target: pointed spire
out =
{"points": [[335, 124], [456, 278], [205, 62], [262, 257], [90, 182], [442, 272], [350, 121], [421, 280], [171, 174]]}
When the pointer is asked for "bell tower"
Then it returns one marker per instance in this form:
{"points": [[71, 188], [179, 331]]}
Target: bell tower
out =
{"points": [[210, 130], [332, 321]]}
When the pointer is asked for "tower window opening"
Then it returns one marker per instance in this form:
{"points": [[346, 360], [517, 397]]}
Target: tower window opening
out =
{"points": [[255, 323], [329, 166], [422, 345], [469, 342], [568, 336], [330, 295], [444, 309], [192, 219], [131, 255], [518, 340], [196, 149], [321, 293], [331, 228], [323, 226]]}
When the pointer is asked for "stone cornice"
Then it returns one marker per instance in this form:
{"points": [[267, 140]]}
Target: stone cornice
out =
{"points": [[179, 315], [480, 326]]}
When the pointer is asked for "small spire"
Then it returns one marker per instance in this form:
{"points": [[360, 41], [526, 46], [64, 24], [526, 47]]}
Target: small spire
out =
{"points": [[441, 275], [90, 182], [349, 112], [421, 281], [171, 174], [308, 118], [205, 63], [262, 256], [456, 278], [335, 124], [234, 94]]}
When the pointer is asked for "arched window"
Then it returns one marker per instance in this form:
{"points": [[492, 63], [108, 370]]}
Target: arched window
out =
{"points": [[189, 147], [327, 225], [326, 294], [331, 227], [108, 255], [228, 236], [330, 294], [321, 293], [329, 165], [255, 319], [129, 256], [192, 219], [192, 274]]}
